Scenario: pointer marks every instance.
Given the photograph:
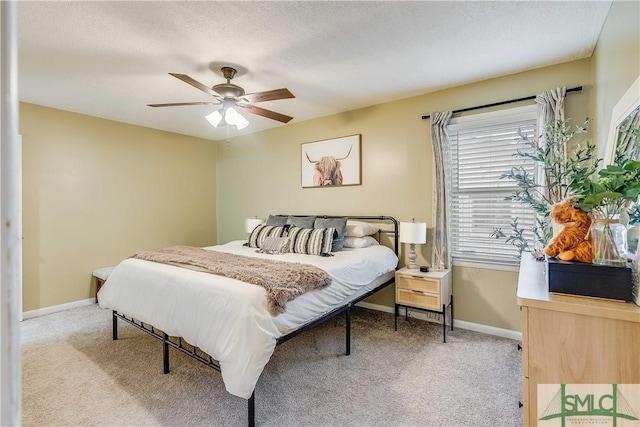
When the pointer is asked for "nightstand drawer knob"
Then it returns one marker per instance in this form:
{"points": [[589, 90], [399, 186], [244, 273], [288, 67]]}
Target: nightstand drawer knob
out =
{"points": [[417, 291]]}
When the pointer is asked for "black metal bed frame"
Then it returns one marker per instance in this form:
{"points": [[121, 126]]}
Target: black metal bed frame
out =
{"points": [[179, 344]]}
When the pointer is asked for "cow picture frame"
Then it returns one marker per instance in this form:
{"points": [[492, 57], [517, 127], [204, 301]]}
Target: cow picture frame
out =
{"points": [[331, 162]]}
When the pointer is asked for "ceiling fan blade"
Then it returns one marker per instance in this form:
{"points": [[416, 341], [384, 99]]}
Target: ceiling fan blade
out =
{"points": [[196, 84], [177, 104], [268, 113], [268, 95]]}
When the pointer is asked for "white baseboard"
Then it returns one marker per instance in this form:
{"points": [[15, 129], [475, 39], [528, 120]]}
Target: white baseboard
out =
{"points": [[56, 308], [430, 317]]}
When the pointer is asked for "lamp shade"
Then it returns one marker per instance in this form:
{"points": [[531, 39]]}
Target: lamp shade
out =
{"points": [[251, 223], [231, 115], [241, 122], [413, 232], [227, 116], [214, 118]]}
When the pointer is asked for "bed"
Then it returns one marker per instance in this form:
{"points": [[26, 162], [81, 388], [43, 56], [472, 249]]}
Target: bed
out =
{"points": [[226, 323]]}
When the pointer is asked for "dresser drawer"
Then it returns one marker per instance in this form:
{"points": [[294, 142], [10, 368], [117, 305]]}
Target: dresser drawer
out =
{"points": [[418, 299], [418, 284]]}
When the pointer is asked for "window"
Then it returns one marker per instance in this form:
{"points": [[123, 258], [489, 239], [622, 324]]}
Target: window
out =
{"points": [[482, 150]]}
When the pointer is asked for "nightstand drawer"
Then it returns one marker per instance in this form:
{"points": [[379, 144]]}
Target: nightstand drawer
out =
{"points": [[419, 299], [418, 284]]}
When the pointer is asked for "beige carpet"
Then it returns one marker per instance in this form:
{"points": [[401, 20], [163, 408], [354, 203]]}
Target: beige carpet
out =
{"points": [[75, 374]]}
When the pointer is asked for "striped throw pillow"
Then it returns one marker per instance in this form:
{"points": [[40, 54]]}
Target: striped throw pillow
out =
{"points": [[263, 231], [310, 241]]}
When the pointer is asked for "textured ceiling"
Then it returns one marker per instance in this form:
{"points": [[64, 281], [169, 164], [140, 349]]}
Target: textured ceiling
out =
{"points": [[110, 59]]}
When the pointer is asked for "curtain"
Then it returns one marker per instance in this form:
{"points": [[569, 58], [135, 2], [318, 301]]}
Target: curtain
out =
{"points": [[441, 194], [551, 105]]}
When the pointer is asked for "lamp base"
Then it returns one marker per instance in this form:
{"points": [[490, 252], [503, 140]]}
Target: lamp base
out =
{"points": [[412, 257]]}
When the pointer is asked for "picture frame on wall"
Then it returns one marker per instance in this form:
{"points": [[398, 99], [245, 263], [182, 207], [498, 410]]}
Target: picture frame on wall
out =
{"points": [[331, 162]]}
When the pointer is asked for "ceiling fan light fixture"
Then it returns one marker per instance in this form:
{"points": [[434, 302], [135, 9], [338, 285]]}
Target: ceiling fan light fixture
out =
{"points": [[241, 122], [231, 97], [231, 115], [214, 118]]}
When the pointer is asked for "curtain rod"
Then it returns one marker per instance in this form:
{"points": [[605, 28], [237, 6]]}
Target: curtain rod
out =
{"points": [[510, 101]]}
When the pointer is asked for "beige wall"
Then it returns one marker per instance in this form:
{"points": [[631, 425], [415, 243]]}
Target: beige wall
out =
{"points": [[95, 191], [615, 62], [259, 174]]}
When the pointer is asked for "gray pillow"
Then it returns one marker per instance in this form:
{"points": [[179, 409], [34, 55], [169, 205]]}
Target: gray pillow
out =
{"points": [[340, 224], [274, 245], [301, 221], [277, 220]]}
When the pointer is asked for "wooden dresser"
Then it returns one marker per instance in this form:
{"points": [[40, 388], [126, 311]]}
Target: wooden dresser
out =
{"points": [[571, 339]]}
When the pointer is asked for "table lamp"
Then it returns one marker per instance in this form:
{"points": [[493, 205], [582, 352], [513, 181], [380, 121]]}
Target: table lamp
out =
{"points": [[251, 223], [413, 233]]}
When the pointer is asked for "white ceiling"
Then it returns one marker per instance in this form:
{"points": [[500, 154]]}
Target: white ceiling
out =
{"points": [[110, 59]]}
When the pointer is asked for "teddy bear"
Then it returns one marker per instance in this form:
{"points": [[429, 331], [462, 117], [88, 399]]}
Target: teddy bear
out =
{"points": [[571, 243]]}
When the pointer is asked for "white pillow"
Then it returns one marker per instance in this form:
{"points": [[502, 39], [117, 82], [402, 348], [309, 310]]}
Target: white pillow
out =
{"points": [[360, 229], [359, 242]]}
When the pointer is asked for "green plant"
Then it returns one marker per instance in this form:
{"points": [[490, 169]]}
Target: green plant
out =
{"points": [[516, 238], [560, 168], [611, 189], [605, 194]]}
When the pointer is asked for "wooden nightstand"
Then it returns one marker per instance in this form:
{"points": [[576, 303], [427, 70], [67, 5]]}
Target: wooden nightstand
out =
{"points": [[424, 291]]}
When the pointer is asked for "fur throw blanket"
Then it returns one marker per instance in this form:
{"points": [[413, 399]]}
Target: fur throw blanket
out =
{"points": [[283, 281]]}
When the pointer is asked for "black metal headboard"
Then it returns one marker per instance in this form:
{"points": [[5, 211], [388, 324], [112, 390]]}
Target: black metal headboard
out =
{"points": [[390, 219]]}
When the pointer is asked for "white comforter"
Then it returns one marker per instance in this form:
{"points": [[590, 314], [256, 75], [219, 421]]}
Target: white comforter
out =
{"points": [[227, 318]]}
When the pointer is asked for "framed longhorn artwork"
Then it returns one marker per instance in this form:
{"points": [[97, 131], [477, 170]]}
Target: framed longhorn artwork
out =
{"points": [[332, 162]]}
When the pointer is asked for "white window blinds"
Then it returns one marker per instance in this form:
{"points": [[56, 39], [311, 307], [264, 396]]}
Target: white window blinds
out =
{"points": [[482, 149]]}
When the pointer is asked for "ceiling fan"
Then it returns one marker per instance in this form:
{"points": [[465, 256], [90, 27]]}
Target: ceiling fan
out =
{"points": [[231, 96]]}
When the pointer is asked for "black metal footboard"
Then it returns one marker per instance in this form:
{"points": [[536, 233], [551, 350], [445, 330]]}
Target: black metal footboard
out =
{"points": [[203, 357], [191, 351], [194, 352]]}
